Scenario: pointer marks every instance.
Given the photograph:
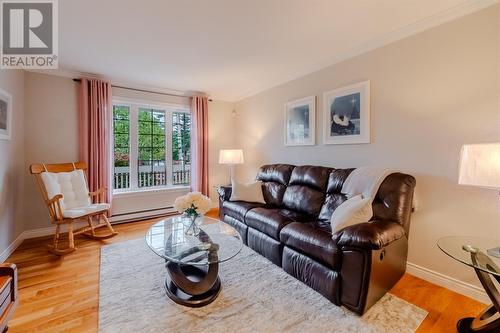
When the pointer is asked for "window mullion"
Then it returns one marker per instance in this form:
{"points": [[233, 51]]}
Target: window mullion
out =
{"points": [[134, 146], [168, 148]]}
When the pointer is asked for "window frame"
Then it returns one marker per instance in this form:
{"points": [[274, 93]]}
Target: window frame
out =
{"points": [[134, 105]]}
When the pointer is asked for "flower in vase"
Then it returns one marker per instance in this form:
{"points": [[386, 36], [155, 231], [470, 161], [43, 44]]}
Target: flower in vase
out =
{"points": [[193, 203]]}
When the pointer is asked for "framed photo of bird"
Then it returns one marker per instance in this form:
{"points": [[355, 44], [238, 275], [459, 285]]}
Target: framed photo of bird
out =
{"points": [[347, 114]]}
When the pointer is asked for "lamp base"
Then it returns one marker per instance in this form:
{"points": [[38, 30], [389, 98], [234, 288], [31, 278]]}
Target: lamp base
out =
{"points": [[494, 252]]}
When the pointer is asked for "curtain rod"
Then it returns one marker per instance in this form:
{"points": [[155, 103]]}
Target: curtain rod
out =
{"points": [[143, 90]]}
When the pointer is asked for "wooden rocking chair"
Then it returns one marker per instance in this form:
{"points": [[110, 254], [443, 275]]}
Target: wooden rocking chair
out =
{"points": [[65, 191]]}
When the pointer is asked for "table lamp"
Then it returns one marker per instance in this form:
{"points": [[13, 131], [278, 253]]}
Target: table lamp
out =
{"points": [[480, 166], [231, 157]]}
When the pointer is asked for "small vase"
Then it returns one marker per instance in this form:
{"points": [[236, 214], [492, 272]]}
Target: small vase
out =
{"points": [[192, 229]]}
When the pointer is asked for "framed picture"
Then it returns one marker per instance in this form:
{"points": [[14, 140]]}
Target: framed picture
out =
{"points": [[347, 114], [300, 122], [5, 115]]}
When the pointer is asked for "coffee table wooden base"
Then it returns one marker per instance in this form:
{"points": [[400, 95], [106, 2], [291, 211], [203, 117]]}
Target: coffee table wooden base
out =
{"points": [[192, 286]]}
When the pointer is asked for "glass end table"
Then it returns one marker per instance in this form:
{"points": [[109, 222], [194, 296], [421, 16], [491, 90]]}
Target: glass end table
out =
{"points": [[473, 252], [192, 260]]}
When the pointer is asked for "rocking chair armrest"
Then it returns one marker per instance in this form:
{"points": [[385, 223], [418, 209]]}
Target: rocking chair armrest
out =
{"points": [[55, 204], [97, 192], [54, 199]]}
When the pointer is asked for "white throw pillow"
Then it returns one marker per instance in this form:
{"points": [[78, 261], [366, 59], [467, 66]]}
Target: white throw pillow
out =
{"points": [[250, 192], [352, 211]]}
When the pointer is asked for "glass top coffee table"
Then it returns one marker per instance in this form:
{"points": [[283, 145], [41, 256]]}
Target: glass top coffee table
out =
{"points": [[473, 252], [192, 257]]}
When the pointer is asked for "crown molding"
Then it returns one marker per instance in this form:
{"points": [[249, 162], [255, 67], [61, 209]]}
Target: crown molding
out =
{"points": [[427, 23], [116, 82]]}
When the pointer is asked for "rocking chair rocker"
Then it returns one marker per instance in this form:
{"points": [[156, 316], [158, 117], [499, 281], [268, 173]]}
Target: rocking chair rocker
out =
{"points": [[64, 189]]}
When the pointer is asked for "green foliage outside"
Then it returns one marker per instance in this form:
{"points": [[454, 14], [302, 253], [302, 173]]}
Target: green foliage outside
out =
{"points": [[152, 140], [181, 137], [121, 135]]}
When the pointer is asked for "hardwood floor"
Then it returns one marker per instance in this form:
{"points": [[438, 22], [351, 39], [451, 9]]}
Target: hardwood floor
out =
{"points": [[62, 294]]}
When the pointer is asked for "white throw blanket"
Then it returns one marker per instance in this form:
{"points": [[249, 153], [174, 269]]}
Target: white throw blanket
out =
{"points": [[360, 187], [365, 181]]}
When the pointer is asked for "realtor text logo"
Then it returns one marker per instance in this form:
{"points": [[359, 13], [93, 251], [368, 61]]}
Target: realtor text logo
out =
{"points": [[29, 34]]}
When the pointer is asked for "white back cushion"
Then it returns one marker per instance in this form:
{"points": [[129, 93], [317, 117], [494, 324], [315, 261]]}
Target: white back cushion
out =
{"points": [[251, 192], [71, 185], [352, 211]]}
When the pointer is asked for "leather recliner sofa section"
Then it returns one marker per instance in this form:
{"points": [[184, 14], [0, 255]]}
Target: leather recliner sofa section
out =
{"points": [[353, 267]]}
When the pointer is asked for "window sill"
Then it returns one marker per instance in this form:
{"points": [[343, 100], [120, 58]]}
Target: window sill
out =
{"points": [[149, 191]]}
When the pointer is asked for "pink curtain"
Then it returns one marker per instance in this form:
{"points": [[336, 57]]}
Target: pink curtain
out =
{"points": [[95, 116], [199, 144]]}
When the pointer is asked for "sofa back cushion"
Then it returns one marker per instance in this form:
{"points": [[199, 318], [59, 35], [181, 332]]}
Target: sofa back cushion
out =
{"points": [[394, 199], [334, 196], [274, 178], [306, 189]]}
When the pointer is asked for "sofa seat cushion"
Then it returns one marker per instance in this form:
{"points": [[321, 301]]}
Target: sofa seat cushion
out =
{"points": [[270, 221], [238, 209], [313, 239]]}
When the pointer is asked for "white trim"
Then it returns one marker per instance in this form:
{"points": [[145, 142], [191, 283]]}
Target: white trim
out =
{"points": [[60, 72], [145, 103], [448, 282], [11, 248], [39, 232], [134, 105], [466, 8], [130, 217], [147, 191]]}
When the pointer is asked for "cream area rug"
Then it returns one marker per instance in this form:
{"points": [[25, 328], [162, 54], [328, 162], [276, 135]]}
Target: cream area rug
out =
{"points": [[256, 296]]}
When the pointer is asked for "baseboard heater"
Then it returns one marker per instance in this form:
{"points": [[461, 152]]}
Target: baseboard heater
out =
{"points": [[142, 215]]}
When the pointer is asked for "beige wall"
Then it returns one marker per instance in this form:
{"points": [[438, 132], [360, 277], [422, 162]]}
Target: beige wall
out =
{"points": [[51, 134], [430, 93], [221, 135], [51, 127], [12, 162]]}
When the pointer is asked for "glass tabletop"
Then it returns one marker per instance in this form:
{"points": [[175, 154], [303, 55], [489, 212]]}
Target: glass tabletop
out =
{"points": [[472, 251], [216, 241]]}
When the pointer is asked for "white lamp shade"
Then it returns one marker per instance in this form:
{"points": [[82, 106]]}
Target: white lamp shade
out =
{"points": [[480, 165], [231, 156]]}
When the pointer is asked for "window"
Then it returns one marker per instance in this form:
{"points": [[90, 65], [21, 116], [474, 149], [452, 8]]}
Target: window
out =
{"points": [[151, 146]]}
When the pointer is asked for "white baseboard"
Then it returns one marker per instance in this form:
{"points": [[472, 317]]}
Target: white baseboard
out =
{"points": [[11, 248], [40, 232], [129, 217], [27, 234], [448, 282]]}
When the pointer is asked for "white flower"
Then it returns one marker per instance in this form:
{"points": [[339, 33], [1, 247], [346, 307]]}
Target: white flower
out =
{"points": [[201, 203]]}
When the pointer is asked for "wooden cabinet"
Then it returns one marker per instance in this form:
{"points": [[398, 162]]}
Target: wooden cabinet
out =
{"points": [[8, 293]]}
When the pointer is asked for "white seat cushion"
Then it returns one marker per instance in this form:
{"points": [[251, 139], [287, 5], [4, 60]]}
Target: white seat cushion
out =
{"points": [[77, 212]]}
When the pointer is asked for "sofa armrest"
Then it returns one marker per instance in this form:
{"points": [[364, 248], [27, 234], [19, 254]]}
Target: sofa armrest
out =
{"points": [[372, 235], [224, 192]]}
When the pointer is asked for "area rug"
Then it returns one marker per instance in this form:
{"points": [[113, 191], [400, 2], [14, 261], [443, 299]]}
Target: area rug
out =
{"points": [[256, 296]]}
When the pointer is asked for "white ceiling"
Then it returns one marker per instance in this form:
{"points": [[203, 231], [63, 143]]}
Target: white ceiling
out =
{"points": [[232, 48]]}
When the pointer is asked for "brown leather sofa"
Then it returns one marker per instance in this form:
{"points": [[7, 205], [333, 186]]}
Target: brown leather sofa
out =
{"points": [[354, 267]]}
